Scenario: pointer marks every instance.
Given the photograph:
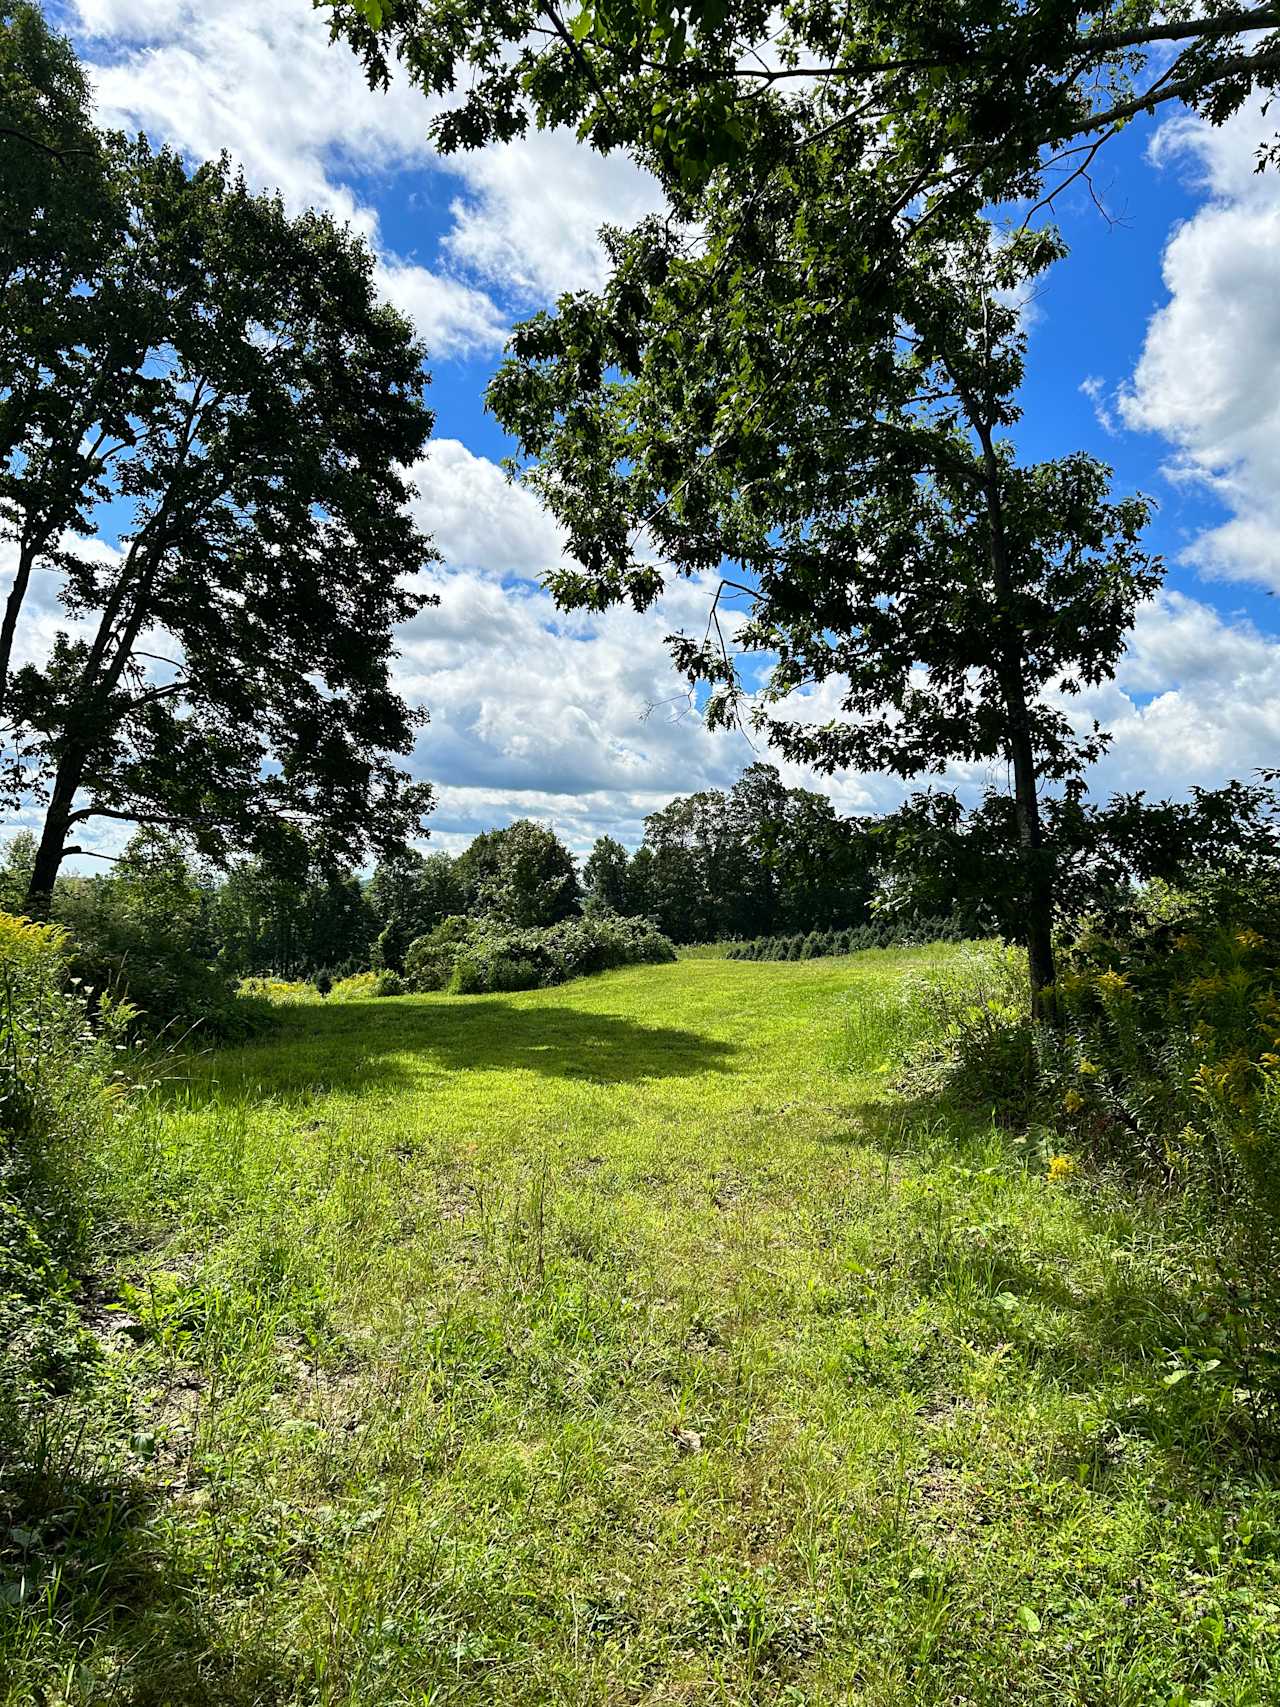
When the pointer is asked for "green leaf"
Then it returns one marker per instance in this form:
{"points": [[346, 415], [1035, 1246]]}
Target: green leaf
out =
{"points": [[1029, 1620]]}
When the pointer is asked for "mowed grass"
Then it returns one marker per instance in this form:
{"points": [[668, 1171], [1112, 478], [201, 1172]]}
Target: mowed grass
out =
{"points": [[630, 1342]]}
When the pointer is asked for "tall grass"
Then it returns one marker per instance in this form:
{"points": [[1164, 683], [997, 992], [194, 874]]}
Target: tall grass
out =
{"points": [[630, 1341]]}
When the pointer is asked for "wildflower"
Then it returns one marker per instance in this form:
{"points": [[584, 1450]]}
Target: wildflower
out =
{"points": [[1073, 1102], [1063, 1167], [1249, 939], [1111, 983], [1089, 1069], [1186, 942]]}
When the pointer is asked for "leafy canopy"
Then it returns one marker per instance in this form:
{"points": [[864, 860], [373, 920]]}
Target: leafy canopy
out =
{"points": [[982, 98], [224, 391]]}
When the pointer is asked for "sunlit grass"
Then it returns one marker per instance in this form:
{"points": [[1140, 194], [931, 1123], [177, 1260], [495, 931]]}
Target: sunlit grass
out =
{"points": [[631, 1342]]}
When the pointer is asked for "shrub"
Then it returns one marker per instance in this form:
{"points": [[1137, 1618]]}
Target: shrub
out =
{"points": [[1172, 1027], [1165, 1068], [881, 933], [61, 1087], [144, 932], [487, 956]]}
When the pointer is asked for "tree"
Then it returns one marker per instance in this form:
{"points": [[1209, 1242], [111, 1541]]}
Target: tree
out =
{"points": [[523, 875], [700, 875], [825, 866], [604, 876], [410, 894], [983, 98], [144, 930], [640, 886], [943, 859], [264, 921], [19, 855], [850, 458], [234, 402], [59, 216]]}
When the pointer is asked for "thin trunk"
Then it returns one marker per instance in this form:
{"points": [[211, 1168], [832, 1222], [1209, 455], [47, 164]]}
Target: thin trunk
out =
{"points": [[12, 609], [1036, 866]]}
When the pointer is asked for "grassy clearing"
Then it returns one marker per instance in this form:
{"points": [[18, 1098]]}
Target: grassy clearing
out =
{"points": [[629, 1342]]}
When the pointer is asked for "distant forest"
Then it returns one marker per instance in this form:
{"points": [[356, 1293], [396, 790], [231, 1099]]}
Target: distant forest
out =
{"points": [[753, 860]]}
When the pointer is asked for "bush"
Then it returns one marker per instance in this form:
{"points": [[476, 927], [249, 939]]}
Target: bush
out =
{"points": [[1165, 1069], [144, 932], [485, 956], [1172, 1028], [61, 1087], [882, 933]]}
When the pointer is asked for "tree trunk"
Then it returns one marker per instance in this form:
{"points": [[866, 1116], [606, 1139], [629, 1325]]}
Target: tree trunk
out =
{"points": [[1037, 866], [1037, 873], [13, 605], [53, 839]]}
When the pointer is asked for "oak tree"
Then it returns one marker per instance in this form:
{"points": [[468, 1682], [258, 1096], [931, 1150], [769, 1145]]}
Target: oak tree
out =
{"points": [[986, 99], [849, 458]]}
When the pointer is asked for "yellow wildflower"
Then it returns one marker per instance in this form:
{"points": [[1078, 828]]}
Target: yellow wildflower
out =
{"points": [[1062, 1167], [1073, 1102], [1112, 983], [1249, 939], [1089, 1069]]}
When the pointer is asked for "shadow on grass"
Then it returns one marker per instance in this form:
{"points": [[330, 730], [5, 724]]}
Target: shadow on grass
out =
{"points": [[353, 1046], [1112, 1324], [95, 1603]]}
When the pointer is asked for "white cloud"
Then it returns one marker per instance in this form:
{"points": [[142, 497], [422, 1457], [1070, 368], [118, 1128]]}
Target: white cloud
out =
{"points": [[479, 519], [1196, 700], [1094, 387], [530, 222], [1206, 376], [265, 84], [454, 319]]}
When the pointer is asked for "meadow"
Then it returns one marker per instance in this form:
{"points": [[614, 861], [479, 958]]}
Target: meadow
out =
{"points": [[632, 1341]]}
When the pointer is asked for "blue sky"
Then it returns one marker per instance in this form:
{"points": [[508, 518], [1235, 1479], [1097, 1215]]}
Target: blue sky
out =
{"points": [[1156, 344]]}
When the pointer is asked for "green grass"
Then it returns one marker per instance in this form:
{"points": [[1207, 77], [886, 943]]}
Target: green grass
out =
{"points": [[629, 1342]]}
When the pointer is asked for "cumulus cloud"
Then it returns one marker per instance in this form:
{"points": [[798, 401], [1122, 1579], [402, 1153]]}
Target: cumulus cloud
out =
{"points": [[1205, 378], [1196, 700], [530, 220], [479, 519], [265, 84], [581, 719]]}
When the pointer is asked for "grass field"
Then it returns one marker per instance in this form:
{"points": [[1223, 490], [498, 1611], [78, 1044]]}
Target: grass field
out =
{"points": [[630, 1342]]}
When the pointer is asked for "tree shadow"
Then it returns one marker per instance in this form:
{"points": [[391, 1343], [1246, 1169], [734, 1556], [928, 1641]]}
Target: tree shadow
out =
{"points": [[88, 1569], [354, 1046], [1111, 1327]]}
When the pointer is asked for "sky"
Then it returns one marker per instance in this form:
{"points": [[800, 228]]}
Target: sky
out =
{"points": [[1155, 344]]}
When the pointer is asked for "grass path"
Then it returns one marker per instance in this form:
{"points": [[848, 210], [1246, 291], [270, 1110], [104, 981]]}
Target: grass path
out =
{"points": [[629, 1343]]}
